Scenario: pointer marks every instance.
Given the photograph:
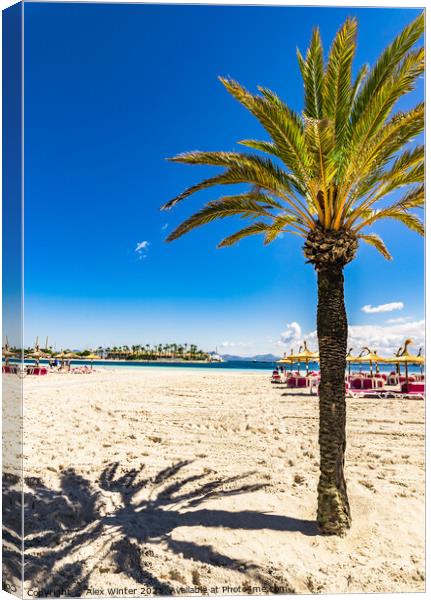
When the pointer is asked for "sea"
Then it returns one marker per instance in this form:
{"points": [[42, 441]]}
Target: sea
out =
{"points": [[237, 365]]}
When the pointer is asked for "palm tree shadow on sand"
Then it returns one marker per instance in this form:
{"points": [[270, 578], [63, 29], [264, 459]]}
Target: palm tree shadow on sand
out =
{"points": [[122, 520]]}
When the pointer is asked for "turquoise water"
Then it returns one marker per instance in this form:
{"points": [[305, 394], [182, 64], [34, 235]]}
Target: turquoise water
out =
{"points": [[237, 365]]}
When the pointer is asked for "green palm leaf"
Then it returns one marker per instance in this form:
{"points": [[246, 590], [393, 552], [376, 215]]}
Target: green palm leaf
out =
{"points": [[337, 82], [387, 64], [246, 205], [312, 71], [282, 124]]}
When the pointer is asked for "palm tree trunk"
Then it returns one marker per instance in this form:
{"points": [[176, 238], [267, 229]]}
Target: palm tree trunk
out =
{"points": [[333, 513]]}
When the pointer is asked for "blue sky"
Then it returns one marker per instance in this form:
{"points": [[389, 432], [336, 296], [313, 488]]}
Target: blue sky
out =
{"points": [[110, 92]]}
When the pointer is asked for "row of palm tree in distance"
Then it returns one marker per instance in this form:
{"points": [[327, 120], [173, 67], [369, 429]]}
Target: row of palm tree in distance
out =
{"points": [[134, 352]]}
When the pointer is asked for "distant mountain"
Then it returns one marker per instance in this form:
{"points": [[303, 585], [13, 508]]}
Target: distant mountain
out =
{"points": [[258, 357]]}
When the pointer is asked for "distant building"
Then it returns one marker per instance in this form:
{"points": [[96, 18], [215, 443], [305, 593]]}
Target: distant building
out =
{"points": [[214, 357]]}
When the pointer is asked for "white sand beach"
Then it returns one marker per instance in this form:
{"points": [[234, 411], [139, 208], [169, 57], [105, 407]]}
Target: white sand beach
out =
{"points": [[179, 481]]}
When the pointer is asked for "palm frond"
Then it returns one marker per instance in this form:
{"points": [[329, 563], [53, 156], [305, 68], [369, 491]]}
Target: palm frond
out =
{"points": [[400, 211], [366, 169], [254, 228], [387, 64], [271, 148], [406, 160], [244, 168], [337, 95], [282, 124], [414, 198], [392, 137], [401, 179], [320, 141], [374, 240], [410, 220], [233, 160], [312, 70], [363, 72], [245, 205], [279, 225], [381, 104]]}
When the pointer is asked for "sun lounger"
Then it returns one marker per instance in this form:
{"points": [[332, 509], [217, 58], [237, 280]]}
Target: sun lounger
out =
{"points": [[40, 371], [366, 393], [415, 387], [34, 370], [276, 377], [301, 382], [356, 384], [404, 395]]}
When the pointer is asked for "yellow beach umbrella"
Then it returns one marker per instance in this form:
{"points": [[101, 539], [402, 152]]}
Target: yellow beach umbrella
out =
{"points": [[405, 358], [350, 359], [7, 354], [370, 357], [289, 358], [37, 353], [392, 360], [66, 356], [91, 357], [307, 356]]}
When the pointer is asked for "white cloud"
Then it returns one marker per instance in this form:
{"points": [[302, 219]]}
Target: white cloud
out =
{"points": [[399, 320], [142, 245], [142, 248], [230, 345], [291, 335], [389, 307], [385, 339]]}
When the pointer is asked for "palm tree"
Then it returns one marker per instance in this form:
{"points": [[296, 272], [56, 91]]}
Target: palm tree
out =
{"points": [[327, 175]]}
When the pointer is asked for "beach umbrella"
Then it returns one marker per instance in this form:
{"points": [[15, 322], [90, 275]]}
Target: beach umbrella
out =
{"points": [[37, 353], [61, 356], [405, 358], [350, 359], [66, 356], [305, 355], [92, 357], [7, 354], [289, 358], [370, 357]]}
